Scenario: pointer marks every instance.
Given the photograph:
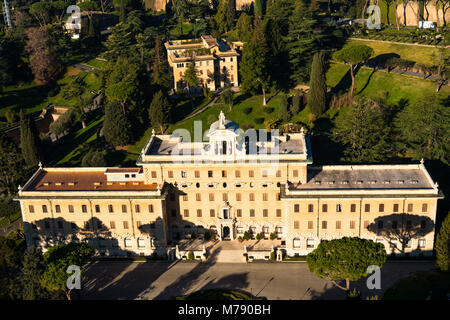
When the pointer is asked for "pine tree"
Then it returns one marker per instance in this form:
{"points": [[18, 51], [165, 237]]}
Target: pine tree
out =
{"points": [[317, 95], [284, 113], [160, 74], [159, 111], [254, 67], [33, 268], [116, 127], [28, 141], [244, 27], [442, 246], [259, 7]]}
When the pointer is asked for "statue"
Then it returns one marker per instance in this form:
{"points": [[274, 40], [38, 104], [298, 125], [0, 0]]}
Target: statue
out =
{"points": [[221, 120]]}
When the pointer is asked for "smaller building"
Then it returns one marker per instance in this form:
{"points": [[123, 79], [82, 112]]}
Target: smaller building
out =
{"points": [[215, 60]]}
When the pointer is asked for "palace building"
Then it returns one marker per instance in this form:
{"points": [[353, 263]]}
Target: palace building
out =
{"points": [[258, 182], [215, 60]]}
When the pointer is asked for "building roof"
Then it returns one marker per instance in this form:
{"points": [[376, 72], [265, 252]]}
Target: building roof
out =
{"points": [[74, 179]]}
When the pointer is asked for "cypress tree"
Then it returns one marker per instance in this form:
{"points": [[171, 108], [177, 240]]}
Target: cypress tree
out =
{"points": [[231, 13], [116, 128], [11, 165], [33, 268], [284, 114], [159, 111], [317, 96], [122, 12], [443, 245], [28, 141]]}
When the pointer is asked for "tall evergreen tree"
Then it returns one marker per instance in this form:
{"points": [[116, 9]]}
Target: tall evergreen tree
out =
{"points": [[28, 141], [284, 113], [191, 77], [317, 95], [244, 27], [116, 128], [160, 74], [443, 245], [231, 13], [123, 11], [11, 165], [159, 111], [259, 7], [254, 67], [33, 269]]}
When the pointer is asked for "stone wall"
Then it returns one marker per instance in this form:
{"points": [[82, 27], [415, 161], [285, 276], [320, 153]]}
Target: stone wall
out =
{"points": [[412, 11]]}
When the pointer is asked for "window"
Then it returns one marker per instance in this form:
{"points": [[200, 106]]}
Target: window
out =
{"points": [[265, 197], [197, 174], [278, 196], [395, 209], [367, 207], [224, 174], [224, 196], [353, 207], [185, 197], [338, 208], [324, 208], [265, 213], [380, 224], [251, 196], [295, 173], [310, 243], [237, 174], [252, 212], [238, 197], [110, 208], [324, 224], [410, 207], [199, 212], [278, 173], [44, 208], [212, 213], [251, 174], [210, 174], [186, 213], [137, 208], [278, 212], [183, 174], [296, 243], [150, 208], [31, 208], [310, 224], [264, 173], [296, 208], [424, 207], [198, 197], [84, 208], [97, 208], [381, 207], [57, 208], [422, 243], [112, 224], [124, 208], [141, 243], [71, 208], [239, 212], [125, 224], [211, 197], [153, 174], [296, 225], [170, 174], [127, 243], [338, 224], [310, 208], [352, 224]]}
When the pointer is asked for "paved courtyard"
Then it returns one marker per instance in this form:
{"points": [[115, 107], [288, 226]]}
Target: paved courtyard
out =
{"points": [[164, 280]]}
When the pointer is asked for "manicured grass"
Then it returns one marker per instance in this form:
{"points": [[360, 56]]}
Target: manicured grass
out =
{"points": [[419, 286], [100, 64], [426, 55], [218, 294], [380, 85]]}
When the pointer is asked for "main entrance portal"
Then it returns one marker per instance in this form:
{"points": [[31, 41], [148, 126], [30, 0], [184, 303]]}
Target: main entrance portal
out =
{"points": [[226, 233]]}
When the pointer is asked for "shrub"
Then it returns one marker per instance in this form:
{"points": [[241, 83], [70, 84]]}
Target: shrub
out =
{"points": [[247, 110], [240, 239], [354, 295], [268, 110], [190, 255], [213, 238], [272, 256], [246, 235], [93, 159], [259, 236], [207, 236], [10, 116], [271, 124], [273, 236], [258, 120]]}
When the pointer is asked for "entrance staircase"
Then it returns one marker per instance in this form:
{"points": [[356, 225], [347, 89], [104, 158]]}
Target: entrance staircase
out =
{"points": [[227, 252]]}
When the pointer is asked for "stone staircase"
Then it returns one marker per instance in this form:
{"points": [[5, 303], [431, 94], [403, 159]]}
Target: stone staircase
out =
{"points": [[225, 252]]}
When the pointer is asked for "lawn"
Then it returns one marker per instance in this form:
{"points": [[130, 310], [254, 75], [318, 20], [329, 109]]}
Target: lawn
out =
{"points": [[419, 286], [426, 55], [381, 85], [96, 63]]}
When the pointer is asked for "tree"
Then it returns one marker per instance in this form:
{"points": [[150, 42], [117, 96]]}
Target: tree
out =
{"points": [[63, 123], [58, 259], [28, 141], [227, 98], [354, 55], [244, 27], [8, 208], [116, 128], [181, 7], [11, 165], [190, 76], [259, 7], [33, 269], [41, 12], [253, 67], [423, 128], [442, 246], [296, 100], [231, 13], [93, 159], [160, 74], [12, 248], [159, 112], [345, 259], [284, 114], [363, 132], [225, 16], [317, 95]]}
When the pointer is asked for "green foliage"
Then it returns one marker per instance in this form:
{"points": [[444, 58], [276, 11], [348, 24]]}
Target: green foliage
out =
{"points": [[354, 54], [190, 255], [225, 15], [424, 129], [116, 128], [317, 95], [93, 159], [63, 123], [247, 110], [345, 259], [268, 110], [8, 208], [273, 236], [259, 236], [442, 245], [244, 27], [28, 141], [160, 74], [246, 235], [11, 165], [273, 256], [33, 269], [12, 248], [296, 100], [227, 98], [364, 133], [258, 120], [159, 112], [283, 112], [354, 295], [260, 7], [190, 76]]}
